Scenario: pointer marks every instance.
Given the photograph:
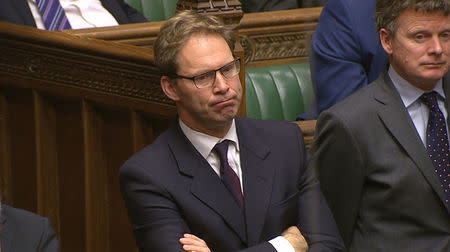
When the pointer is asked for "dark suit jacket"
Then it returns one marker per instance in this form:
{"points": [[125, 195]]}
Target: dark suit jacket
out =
{"points": [[346, 53], [170, 189], [18, 12], [376, 174], [269, 5], [25, 231]]}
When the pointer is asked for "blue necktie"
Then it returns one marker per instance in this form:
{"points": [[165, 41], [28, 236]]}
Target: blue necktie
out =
{"points": [[53, 15], [437, 142], [228, 176]]}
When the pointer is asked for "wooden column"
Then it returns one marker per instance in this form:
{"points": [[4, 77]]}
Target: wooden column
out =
{"points": [[96, 182], [46, 160]]}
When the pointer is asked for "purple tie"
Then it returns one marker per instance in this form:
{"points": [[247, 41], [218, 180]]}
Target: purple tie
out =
{"points": [[228, 176], [437, 142], [53, 15]]}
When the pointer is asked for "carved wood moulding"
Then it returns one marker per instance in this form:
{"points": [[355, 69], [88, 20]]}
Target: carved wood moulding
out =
{"points": [[229, 10], [277, 37], [264, 48], [74, 66]]}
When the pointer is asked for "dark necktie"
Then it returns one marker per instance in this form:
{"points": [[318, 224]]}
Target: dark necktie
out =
{"points": [[53, 15], [437, 142], [228, 176]]}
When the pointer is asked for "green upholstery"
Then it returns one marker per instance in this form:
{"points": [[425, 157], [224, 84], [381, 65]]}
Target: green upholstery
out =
{"points": [[278, 92], [154, 10]]}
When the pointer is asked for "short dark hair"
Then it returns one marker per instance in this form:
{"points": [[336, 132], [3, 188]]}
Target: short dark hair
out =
{"points": [[388, 11], [178, 29]]}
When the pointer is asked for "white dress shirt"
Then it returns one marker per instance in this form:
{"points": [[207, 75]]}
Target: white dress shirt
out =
{"points": [[204, 145], [417, 110], [80, 13]]}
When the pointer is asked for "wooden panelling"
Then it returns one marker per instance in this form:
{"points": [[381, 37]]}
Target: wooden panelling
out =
{"points": [[47, 175], [22, 148], [118, 147], [69, 138], [97, 196], [6, 178], [72, 111]]}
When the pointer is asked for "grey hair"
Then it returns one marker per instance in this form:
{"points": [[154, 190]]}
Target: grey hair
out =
{"points": [[388, 11]]}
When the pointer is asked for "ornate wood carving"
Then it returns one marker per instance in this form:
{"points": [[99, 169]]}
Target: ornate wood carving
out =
{"points": [[277, 37], [127, 72], [268, 38], [229, 10]]}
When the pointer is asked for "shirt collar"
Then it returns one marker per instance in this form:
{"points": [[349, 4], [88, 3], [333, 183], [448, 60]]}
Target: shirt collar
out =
{"points": [[205, 143], [408, 92]]}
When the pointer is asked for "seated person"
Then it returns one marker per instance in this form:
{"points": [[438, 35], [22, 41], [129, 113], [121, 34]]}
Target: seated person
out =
{"points": [[382, 153], [69, 14], [212, 181], [25, 231]]}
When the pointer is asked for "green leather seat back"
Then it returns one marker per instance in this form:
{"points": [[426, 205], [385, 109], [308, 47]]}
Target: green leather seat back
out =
{"points": [[154, 10], [278, 92]]}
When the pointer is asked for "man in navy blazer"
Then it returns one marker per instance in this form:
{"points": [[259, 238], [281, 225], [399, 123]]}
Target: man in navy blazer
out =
{"points": [[176, 189], [18, 12], [25, 231], [345, 54]]}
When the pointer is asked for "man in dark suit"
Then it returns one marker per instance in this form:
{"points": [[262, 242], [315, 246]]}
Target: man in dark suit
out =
{"points": [[382, 161], [346, 53], [18, 12], [213, 180], [25, 231]]}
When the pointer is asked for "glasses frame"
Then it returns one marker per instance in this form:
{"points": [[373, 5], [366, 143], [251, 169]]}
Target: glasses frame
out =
{"points": [[237, 61]]}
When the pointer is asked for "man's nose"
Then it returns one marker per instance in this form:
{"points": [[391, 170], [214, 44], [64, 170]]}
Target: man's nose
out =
{"points": [[220, 83], [436, 46]]}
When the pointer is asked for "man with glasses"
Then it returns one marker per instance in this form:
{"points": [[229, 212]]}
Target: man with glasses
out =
{"points": [[214, 182]]}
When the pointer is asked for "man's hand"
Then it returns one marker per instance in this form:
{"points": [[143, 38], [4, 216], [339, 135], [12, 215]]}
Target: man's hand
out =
{"points": [[296, 239], [192, 243]]}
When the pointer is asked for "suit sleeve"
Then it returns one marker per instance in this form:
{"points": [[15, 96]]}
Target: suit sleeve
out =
{"points": [[155, 217], [338, 159], [336, 58], [49, 241], [133, 15], [315, 219]]}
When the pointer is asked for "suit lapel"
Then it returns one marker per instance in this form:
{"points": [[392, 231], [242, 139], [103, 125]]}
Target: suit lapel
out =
{"points": [[114, 8], [397, 120], [206, 185], [24, 12], [257, 179]]}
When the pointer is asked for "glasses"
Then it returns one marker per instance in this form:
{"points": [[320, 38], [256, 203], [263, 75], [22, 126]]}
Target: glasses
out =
{"points": [[208, 79]]}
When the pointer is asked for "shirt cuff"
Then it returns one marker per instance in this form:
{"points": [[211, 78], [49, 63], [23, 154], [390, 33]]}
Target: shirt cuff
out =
{"points": [[281, 244]]}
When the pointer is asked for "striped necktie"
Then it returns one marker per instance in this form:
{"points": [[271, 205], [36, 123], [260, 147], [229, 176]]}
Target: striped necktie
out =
{"points": [[53, 15]]}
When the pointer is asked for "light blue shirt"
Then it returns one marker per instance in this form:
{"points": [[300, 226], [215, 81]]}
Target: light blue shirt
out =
{"points": [[418, 111]]}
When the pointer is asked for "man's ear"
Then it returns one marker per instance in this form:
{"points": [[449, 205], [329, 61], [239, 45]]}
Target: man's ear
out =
{"points": [[386, 40], [169, 88]]}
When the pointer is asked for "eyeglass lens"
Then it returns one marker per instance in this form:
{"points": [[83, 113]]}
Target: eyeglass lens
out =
{"points": [[228, 71]]}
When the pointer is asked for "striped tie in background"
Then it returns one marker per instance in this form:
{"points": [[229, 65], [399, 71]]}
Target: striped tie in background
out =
{"points": [[53, 15]]}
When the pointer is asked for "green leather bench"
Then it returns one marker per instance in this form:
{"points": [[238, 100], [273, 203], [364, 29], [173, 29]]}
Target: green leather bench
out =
{"points": [[278, 92], [154, 10]]}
